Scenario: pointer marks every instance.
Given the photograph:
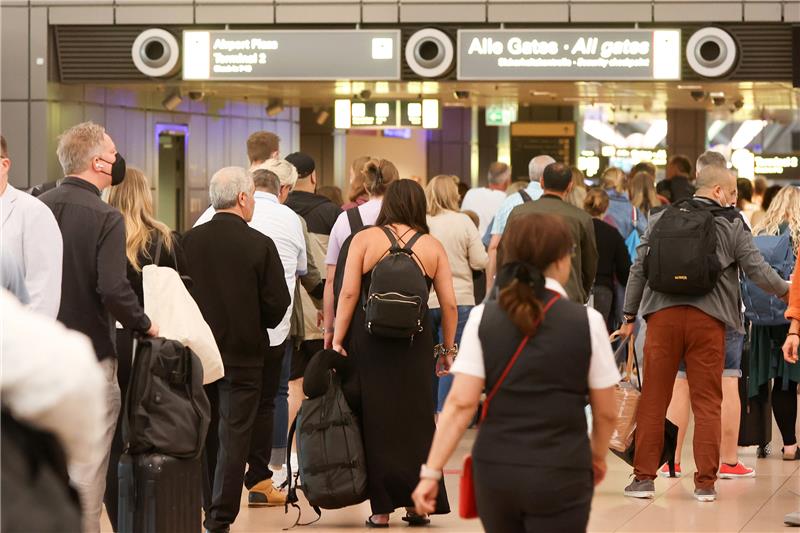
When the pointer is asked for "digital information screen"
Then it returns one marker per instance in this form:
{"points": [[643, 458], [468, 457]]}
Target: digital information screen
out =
{"points": [[254, 55], [379, 114], [583, 54]]}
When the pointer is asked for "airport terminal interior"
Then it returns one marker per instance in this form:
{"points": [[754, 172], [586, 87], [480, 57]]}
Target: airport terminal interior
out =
{"points": [[437, 87]]}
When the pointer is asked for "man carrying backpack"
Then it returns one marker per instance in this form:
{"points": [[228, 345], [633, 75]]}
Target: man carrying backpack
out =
{"points": [[685, 282]]}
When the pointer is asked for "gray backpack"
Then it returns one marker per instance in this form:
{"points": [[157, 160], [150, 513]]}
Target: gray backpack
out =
{"points": [[330, 452], [166, 408]]}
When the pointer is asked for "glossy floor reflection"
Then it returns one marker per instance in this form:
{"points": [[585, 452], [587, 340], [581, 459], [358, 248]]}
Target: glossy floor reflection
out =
{"points": [[752, 505]]}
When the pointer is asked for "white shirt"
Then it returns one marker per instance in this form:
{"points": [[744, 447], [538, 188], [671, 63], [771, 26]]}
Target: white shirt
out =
{"points": [[485, 202], [283, 226], [29, 234], [50, 379], [603, 371]]}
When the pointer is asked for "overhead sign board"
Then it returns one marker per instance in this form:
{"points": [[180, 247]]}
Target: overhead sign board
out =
{"points": [[569, 54], [378, 114], [253, 55]]}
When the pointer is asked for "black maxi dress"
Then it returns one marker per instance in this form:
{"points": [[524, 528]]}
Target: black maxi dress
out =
{"points": [[396, 409]]}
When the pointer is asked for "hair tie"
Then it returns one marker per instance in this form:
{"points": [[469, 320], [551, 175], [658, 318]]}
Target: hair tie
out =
{"points": [[523, 272]]}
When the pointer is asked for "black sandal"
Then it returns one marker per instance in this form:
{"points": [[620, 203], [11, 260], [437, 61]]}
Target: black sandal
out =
{"points": [[374, 525], [796, 456], [416, 520]]}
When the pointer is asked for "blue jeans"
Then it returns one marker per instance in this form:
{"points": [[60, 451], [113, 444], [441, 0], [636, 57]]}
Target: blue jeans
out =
{"points": [[442, 385], [280, 429], [734, 346]]}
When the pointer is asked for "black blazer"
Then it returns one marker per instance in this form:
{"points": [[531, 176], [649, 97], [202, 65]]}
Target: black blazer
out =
{"points": [[238, 284]]}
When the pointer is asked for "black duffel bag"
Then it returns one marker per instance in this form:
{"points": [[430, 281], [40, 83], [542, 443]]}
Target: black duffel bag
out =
{"points": [[166, 409]]}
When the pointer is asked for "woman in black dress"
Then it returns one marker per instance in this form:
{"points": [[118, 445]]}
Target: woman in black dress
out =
{"points": [[147, 242], [395, 374]]}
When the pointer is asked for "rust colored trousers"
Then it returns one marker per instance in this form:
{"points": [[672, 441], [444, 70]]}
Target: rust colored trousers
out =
{"points": [[676, 333]]}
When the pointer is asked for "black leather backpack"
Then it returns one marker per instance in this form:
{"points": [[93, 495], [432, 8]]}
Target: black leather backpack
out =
{"points": [[397, 297]]}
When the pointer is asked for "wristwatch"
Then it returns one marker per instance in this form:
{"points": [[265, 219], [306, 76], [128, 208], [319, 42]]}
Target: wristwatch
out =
{"points": [[629, 319], [429, 473]]}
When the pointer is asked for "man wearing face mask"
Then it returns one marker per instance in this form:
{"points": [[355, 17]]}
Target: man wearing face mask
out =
{"points": [[678, 411], [95, 292], [690, 326]]}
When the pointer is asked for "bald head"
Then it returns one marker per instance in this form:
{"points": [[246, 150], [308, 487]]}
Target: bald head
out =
{"points": [[537, 165]]}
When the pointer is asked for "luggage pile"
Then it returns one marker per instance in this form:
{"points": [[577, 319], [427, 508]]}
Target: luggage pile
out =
{"points": [[164, 427]]}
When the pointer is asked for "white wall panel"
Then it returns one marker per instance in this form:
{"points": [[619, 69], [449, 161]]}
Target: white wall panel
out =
{"points": [[14, 125], [116, 127], [215, 145], [196, 173], [136, 138]]}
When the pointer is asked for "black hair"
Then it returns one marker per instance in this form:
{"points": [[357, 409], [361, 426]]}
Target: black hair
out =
{"points": [[404, 203], [556, 177]]}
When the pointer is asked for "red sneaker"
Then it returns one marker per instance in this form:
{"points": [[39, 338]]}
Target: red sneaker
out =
{"points": [[733, 472], [664, 472]]}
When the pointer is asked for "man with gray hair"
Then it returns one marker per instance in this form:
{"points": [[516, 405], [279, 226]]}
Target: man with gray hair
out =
{"points": [[95, 292], [689, 325], [486, 201], [532, 192], [240, 288], [710, 158]]}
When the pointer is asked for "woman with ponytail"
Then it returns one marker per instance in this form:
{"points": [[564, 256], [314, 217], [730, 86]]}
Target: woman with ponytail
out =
{"points": [[538, 355], [376, 176]]}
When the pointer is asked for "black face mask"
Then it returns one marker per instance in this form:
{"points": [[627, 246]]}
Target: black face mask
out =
{"points": [[117, 169]]}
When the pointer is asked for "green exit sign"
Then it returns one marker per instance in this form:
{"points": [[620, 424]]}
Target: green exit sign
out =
{"points": [[501, 114]]}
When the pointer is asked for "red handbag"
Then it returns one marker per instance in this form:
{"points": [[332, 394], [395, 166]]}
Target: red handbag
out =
{"points": [[467, 507]]}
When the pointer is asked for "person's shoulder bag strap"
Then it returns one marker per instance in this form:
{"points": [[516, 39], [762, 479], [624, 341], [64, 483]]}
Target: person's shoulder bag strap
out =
{"points": [[157, 255], [513, 360], [355, 220], [525, 196]]}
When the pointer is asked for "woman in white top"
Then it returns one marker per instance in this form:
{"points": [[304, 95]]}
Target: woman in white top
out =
{"points": [[466, 253], [539, 356]]}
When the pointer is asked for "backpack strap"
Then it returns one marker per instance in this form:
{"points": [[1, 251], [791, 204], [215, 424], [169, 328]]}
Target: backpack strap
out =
{"points": [[355, 220], [412, 241], [392, 239], [525, 196]]}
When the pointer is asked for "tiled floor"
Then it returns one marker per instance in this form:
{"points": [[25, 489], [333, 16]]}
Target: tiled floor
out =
{"points": [[752, 505]]}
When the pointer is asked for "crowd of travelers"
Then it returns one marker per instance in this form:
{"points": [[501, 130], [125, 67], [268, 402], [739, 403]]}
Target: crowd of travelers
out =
{"points": [[425, 303]]}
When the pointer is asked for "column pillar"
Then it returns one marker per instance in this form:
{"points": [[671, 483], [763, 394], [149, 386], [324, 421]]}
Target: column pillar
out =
{"points": [[686, 132]]}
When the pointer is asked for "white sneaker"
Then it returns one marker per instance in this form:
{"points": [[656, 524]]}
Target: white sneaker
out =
{"points": [[278, 477]]}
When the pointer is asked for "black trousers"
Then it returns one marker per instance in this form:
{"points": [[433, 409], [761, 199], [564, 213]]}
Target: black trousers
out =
{"points": [[525, 499], [238, 398], [261, 437], [124, 359]]}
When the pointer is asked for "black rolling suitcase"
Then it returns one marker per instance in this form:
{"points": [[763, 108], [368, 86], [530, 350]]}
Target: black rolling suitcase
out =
{"points": [[755, 427], [159, 494]]}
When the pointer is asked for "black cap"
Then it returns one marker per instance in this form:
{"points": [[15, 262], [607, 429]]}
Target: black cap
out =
{"points": [[303, 163]]}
